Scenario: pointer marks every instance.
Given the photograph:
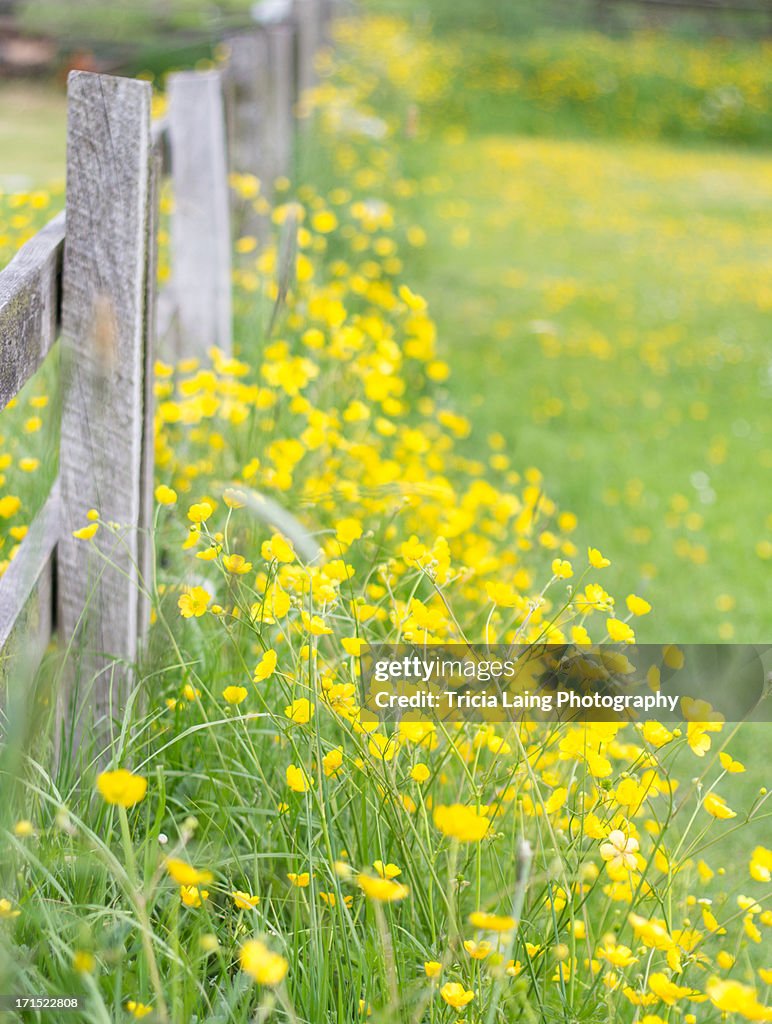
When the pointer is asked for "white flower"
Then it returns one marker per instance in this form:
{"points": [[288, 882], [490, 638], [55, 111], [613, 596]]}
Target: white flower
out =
{"points": [[619, 850]]}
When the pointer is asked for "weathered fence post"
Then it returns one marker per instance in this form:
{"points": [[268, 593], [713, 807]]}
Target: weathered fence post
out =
{"points": [[308, 14], [282, 98], [200, 229], [248, 95], [106, 329]]}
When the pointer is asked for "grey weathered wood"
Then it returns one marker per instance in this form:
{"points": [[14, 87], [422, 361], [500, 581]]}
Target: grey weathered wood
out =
{"points": [[200, 229], [328, 14], [145, 550], [281, 44], [308, 16], [104, 316], [30, 572], [248, 89], [159, 135], [29, 307]]}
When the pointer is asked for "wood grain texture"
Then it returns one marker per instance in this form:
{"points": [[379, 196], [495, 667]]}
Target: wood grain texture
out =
{"points": [[29, 307], [145, 548], [200, 229], [104, 311]]}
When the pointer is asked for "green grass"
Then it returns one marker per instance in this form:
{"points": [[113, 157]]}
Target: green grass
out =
{"points": [[517, 18], [605, 308]]}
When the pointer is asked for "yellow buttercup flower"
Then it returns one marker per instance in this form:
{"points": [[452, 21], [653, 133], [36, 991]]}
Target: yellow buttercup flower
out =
{"points": [[7, 911], [185, 874], [324, 221], [729, 764], [636, 605], [348, 530], [83, 962], [86, 532], [386, 870], [265, 667], [138, 1010], [461, 822], [562, 569], [619, 631], [300, 711], [193, 603], [234, 694], [192, 896], [617, 955], [237, 564], [717, 807], [478, 950], [261, 964], [668, 991], [200, 511], [596, 559], [731, 996], [619, 850], [456, 995], [165, 495], [382, 890], [278, 548], [122, 787], [297, 780], [244, 900], [332, 762], [491, 922], [761, 864]]}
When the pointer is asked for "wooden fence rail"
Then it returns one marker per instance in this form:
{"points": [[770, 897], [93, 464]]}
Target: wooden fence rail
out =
{"points": [[89, 279]]}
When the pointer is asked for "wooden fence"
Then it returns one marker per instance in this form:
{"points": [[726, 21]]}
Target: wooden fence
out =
{"points": [[88, 279]]}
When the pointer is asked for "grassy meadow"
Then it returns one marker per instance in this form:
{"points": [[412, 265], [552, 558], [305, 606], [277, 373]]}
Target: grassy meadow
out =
{"points": [[517, 389]]}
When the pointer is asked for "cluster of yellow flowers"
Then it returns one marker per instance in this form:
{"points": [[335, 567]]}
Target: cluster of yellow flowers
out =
{"points": [[344, 422], [650, 85]]}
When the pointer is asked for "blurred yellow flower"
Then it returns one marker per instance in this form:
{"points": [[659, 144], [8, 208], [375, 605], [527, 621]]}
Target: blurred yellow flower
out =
{"points": [[382, 890], [461, 822], [491, 922], [122, 787], [165, 495], [185, 874], [261, 964]]}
